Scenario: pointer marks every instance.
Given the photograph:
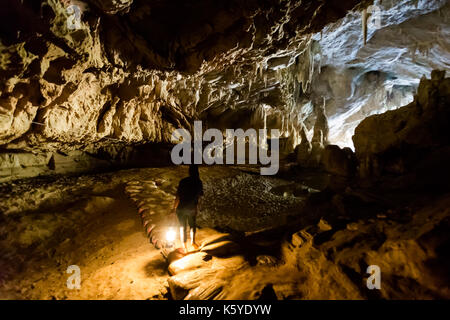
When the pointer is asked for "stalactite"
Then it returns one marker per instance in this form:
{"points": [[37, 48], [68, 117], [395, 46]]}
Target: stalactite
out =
{"points": [[264, 113], [364, 17]]}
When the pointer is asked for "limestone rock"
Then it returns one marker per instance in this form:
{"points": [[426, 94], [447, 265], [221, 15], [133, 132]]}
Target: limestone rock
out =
{"points": [[75, 76], [208, 290], [339, 161], [111, 75], [188, 262], [303, 150], [324, 225], [180, 284], [113, 6], [174, 255], [397, 141], [266, 260], [219, 249], [300, 238]]}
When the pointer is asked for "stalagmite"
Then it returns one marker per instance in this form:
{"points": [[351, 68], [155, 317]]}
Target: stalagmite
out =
{"points": [[321, 128], [303, 150]]}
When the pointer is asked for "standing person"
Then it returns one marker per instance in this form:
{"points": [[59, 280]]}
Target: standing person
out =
{"points": [[189, 191]]}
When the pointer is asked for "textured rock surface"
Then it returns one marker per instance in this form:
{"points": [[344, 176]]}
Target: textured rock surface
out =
{"points": [[49, 223], [329, 261], [411, 138], [406, 40], [84, 84], [334, 262], [339, 161], [78, 75], [232, 200], [95, 75]]}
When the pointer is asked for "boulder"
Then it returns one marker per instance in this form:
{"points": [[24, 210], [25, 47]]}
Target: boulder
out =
{"points": [[189, 262], [174, 255], [180, 284], [397, 141], [208, 290], [230, 263], [339, 161]]}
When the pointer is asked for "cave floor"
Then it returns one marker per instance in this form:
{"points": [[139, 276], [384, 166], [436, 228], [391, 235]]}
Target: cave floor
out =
{"points": [[93, 221], [85, 221], [50, 223]]}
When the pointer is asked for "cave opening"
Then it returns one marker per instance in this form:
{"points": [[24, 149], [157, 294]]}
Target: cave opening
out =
{"points": [[319, 130]]}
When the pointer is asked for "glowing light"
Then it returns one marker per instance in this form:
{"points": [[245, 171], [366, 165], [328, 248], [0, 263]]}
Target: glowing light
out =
{"points": [[171, 235]]}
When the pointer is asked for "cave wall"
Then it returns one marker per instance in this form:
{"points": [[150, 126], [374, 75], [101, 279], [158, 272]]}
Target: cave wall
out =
{"points": [[409, 147], [405, 41], [80, 76], [129, 72]]}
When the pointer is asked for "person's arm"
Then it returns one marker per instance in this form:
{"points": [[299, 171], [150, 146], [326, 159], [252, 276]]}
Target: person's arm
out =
{"points": [[200, 195], [175, 204]]}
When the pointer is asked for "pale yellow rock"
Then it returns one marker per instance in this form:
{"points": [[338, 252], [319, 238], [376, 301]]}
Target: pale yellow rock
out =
{"points": [[187, 263], [324, 225]]}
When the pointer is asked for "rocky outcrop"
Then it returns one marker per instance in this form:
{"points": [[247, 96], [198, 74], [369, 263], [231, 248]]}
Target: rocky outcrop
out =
{"points": [[81, 75], [339, 161], [84, 75], [406, 244], [405, 40], [330, 260], [410, 140]]}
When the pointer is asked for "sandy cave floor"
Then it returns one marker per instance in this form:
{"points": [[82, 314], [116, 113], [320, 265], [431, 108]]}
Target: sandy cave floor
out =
{"points": [[50, 223], [92, 221], [97, 229]]}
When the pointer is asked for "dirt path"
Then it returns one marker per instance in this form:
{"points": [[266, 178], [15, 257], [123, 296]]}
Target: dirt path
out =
{"points": [[101, 234], [115, 259]]}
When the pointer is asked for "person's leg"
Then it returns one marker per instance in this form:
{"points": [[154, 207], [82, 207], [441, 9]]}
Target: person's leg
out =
{"points": [[182, 218], [193, 225]]}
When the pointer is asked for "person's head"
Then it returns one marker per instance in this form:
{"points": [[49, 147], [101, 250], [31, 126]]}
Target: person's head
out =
{"points": [[193, 170]]}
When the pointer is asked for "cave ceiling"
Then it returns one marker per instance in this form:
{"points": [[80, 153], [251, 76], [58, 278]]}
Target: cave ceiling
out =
{"points": [[132, 71]]}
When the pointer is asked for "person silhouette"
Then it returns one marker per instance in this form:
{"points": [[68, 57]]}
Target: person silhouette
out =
{"points": [[185, 207]]}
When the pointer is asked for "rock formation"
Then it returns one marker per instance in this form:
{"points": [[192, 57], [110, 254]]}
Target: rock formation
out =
{"points": [[409, 140], [357, 89], [99, 77]]}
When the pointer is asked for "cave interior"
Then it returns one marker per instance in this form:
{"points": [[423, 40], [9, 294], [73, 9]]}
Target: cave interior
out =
{"points": [[352, 97]]}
